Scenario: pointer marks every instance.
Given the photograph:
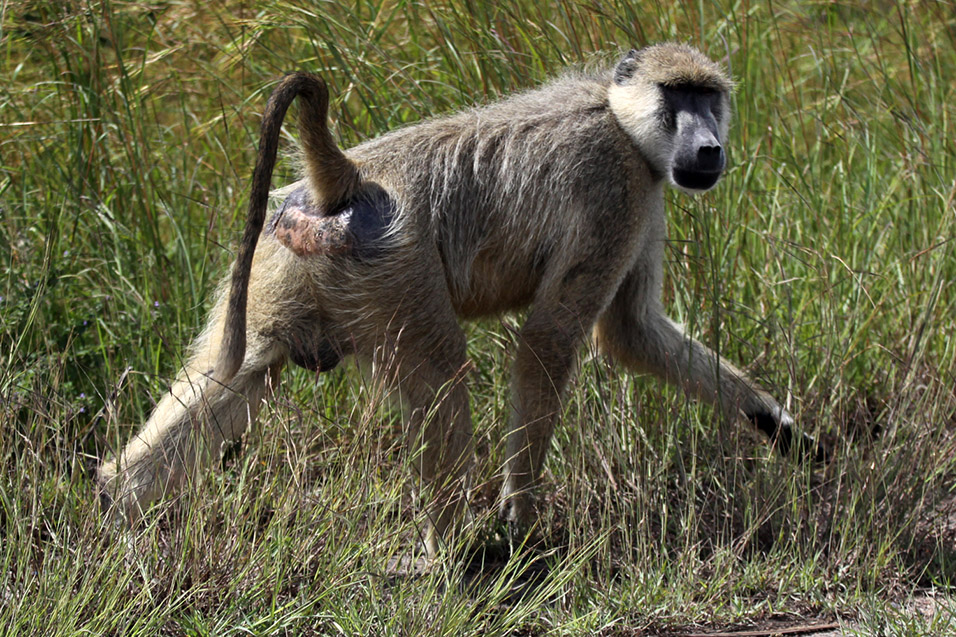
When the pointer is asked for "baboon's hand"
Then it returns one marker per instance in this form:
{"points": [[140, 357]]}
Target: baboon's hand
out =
{"points": [[778, 424]]}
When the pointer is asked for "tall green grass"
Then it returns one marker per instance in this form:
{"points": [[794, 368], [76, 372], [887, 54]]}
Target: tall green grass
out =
{"points": [[823, 262]]}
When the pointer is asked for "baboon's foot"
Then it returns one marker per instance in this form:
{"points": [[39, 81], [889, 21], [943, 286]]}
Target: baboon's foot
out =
{"points": [[517, 522], [447, 524], [432, 542], [120, 496]]}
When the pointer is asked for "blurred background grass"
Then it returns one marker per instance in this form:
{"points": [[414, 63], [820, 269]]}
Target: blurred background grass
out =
{"points": [[822, 263]]}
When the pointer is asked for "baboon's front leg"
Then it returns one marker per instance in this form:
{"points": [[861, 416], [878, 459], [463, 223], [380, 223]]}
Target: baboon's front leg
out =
{"points": [[546, 353], [635, 332], [189, 426], [440, 437]]}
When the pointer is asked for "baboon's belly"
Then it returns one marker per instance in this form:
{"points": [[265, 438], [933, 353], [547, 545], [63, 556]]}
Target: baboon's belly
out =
{"points": [[498, 285]]}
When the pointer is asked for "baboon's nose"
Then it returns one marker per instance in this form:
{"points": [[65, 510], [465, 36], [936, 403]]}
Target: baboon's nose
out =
{"points": [[708, 152], [709, 156]]}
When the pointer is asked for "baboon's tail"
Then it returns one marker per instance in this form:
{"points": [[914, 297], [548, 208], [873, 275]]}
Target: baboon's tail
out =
{"points": [[332, 176]]}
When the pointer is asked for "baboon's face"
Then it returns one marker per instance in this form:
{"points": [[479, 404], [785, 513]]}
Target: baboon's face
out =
{"points": [[691, 114], [674, 104]]}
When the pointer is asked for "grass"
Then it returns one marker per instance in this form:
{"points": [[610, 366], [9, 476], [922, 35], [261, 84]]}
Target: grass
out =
{"points": [[823, 262]]}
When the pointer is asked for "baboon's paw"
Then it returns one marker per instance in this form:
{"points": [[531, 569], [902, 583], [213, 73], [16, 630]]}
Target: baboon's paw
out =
{"points": [[779, 428], [511, 535], [107, 490], [103, 493], [114, 496]]}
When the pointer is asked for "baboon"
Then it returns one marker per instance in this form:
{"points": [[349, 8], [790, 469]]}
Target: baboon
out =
{"points": [[551, 199]]}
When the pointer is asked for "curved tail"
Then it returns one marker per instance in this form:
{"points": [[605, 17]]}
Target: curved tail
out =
{"points": [[332, 176]]}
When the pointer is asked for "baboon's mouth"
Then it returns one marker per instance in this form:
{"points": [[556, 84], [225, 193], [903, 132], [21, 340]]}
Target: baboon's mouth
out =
{"points": [[695, 179]]}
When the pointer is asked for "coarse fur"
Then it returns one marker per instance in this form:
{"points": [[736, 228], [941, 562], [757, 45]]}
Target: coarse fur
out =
{"points": [[551, 199]]}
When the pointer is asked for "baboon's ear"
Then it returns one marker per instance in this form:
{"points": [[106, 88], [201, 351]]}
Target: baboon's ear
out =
{"points": [[626, 67]]}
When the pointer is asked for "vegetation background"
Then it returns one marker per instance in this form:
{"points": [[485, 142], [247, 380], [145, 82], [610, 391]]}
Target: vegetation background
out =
{"points": [[823, 262]]}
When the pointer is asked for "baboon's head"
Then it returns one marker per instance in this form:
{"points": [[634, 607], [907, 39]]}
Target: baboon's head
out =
{"points": [[674, 103]]}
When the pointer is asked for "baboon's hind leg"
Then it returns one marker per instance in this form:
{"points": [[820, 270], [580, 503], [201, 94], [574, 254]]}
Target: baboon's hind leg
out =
{"points": [[423, 355], [189, 427], [440, 436]]}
